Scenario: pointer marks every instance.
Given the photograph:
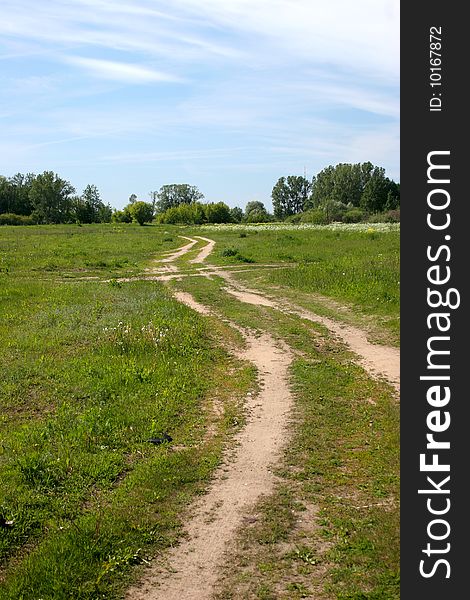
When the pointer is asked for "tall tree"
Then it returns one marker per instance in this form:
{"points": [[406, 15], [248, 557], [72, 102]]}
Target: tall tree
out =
{"points": [[153, 198], [361, 184], [323, 187], [290, 196], [175, 194], [6, 195], [51, 198], [255, 212], [254, 205], [380, 193], [89, 208], [14, 194], [236, 214], [92, 200]]}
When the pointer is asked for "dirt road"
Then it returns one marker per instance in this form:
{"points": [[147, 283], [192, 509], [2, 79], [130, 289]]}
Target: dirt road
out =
{"points": [[190, 570]]}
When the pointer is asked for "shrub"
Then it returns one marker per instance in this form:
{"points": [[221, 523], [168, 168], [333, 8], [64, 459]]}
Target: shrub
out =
{"points": [[293, 218], [141, 212], [12, 219], [235, 253], [315, 216], [122, 216], [353, 215], [392, 216], [389, 216], [229, 251]]}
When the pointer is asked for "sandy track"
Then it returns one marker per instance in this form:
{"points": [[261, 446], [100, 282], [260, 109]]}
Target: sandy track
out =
{"points": [[191, 570], [172, 256], [204, 253], [378, 360]]}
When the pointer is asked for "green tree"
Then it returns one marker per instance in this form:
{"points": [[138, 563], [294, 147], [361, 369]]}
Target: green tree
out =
{"points": [[14, 194], [349, 181], [89, 208], [217, 212], [354, 185], [105, 213], [236, 214], [290, 196], [334, 210], [255, 212], [141, 212], [6, 196], [380, 193], [153, 198], [91, 199], [51, 198], [322, 188], [122, 216], [175, 194], [252, 206], [189, 214]]}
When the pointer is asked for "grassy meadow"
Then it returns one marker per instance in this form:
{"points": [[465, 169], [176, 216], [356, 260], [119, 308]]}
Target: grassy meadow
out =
{"points": [[93, 367], [90, 371], [330, 530], [358, 266]]}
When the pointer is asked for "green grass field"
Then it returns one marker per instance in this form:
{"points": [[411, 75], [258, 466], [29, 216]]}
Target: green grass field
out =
{"points": [[358, 266], [92, 368], [90, 371]]}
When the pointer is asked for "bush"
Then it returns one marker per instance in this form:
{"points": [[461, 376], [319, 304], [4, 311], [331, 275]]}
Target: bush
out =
{"points": [[293, 218], [392, 216], [389, 216], [353, 215], [141, 212], [315, 216], [12, 219], [122, 216], [229, 251], [186, 214], [217, 212], [235, 253]]}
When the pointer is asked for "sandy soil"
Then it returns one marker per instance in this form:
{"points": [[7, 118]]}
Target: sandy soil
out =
{"points": [[191, 569], [172, 256], [377, 360], [204, 253]]}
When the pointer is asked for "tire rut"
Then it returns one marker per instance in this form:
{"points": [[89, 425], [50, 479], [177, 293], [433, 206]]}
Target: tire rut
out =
{"points": [[191, 570]]}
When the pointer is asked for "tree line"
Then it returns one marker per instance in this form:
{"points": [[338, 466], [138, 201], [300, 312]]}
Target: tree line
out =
{"points": [[47, 198], [345, 192]]}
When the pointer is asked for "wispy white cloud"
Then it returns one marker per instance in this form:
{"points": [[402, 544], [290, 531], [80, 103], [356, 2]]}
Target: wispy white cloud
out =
{"points": [[269, 85], [362, 36], [119, 71], [183, 154]]}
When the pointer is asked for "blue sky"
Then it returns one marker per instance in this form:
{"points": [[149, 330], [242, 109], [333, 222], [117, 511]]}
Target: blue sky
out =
{"points": [[227, 95]]}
